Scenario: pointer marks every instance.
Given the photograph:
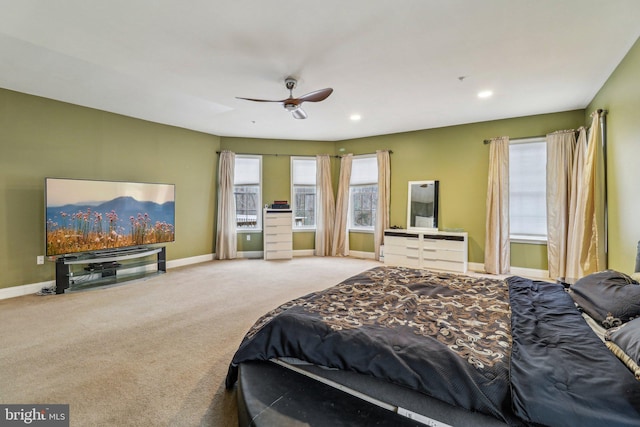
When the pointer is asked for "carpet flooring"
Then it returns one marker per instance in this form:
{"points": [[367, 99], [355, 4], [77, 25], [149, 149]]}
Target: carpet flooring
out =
{"points": [[152, 352]]}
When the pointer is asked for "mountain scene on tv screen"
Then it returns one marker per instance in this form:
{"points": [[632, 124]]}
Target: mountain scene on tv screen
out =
{"points": [[120, 222]]}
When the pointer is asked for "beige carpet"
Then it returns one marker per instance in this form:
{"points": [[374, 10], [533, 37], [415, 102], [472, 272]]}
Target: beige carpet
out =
{"points": [[151, 352]]}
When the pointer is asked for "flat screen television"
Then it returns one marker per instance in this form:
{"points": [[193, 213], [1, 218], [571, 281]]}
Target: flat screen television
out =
{"points": [[89, 215]]}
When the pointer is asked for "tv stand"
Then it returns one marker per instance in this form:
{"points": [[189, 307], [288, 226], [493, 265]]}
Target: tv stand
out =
{"points": [[100, 268]]}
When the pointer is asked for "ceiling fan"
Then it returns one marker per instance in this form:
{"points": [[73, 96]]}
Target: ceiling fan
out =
{"points": [[294, 104]]}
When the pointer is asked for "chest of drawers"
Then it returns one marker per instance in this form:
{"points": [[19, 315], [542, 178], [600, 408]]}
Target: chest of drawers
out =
{"points": [[437, 250], [278, 235]]}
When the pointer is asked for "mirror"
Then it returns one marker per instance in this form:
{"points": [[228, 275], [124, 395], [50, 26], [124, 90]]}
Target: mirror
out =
{"points": [[422, 205]]}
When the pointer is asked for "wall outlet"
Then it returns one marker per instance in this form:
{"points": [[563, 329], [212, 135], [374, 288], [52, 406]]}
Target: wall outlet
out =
{"points": [[248, 236], [40, 259]]}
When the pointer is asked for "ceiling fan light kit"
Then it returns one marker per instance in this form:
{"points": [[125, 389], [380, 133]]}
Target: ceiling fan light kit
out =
{"points": [[298, 113], [293, 104]]}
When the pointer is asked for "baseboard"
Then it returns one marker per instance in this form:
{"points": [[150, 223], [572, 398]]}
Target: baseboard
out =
{"points": [[32, 288], [531, 273], [191, 260], [251, 254], [18, 291], [303, 252], [362, 255], [352, 254]]}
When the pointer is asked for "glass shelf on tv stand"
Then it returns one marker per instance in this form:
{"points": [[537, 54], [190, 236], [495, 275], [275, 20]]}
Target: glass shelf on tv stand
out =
{"points": [[107, 268]]}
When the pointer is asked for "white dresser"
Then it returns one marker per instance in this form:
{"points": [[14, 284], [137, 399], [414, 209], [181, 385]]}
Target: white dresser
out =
{"points": [[436, 250], [278, 235]]}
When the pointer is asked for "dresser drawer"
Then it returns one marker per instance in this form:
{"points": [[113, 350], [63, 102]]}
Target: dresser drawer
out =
{"points": [[282, 254], [277, 219], [443, 254], [403, 260], [277, 245], [274, 238], [443, 244], [277, 229], [437, 264]]}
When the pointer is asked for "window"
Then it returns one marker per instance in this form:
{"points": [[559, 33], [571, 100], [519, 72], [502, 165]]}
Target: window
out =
{"points": [[363, 193], [303, 190], [528, 190], [246, 189]]}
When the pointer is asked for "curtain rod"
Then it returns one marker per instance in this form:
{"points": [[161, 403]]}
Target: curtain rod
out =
{"points": [[295, 155], [488, 141], [599, 111]]}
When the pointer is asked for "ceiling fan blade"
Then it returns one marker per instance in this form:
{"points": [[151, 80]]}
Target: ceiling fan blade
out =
{"points": [[318, 95], [292, 104], [260, 100], [299, 113]]}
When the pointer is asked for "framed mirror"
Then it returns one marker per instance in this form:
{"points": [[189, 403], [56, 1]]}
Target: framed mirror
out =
{"points": [[422, 205]]}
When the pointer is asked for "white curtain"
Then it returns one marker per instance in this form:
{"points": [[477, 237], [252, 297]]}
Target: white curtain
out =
{"points": [[384, 193], [325, 215], [589, 239], [576, 219], [340, 244], [226, 235], [561, 188], [497, 253]]}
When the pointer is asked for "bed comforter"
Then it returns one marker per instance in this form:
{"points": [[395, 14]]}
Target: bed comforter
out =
{"points": [[517, 349]]}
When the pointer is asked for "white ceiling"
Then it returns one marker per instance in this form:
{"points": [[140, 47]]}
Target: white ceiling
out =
{"points": [[396, 63]]}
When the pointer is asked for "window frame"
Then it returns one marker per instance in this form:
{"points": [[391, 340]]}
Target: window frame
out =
{"points": [[527, 238], [350, 226], [293, 195], [258, 226]]}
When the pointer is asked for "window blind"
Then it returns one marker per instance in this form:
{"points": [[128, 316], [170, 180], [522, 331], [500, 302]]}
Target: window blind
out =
{"points": [[364, 170]]}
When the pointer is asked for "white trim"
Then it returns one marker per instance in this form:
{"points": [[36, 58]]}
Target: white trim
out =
{"points": [[528, 240], [258, 227], [361, 230], [32, 288], [251, 254], [515, 271], [191, 260], [530, 273], [303, 252], [18, 291], [362, 254]]}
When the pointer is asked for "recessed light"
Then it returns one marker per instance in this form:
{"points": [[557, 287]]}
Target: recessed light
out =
{"points": [[355, 117], [485, 94]]}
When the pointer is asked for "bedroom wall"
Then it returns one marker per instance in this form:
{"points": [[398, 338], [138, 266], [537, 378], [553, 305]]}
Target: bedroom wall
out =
{"points": [[45, 138], [276, 185], [454, 155], [620, 96], [42, 137], [457, 157]]}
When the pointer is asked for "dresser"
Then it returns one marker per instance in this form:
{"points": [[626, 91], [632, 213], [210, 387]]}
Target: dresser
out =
{"points": [[278, 234], [435, 250]]}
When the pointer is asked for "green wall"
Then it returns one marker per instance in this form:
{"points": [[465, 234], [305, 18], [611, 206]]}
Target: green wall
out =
{"points": [[457, 157], [276, 185], [620, 96], [45, 138]]}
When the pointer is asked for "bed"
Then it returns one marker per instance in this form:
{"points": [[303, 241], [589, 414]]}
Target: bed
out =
{"points": [[457, 349]]}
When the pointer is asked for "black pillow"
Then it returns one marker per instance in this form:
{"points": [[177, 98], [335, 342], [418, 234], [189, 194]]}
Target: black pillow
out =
{"points": [[610, 297], [624, 341]]}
